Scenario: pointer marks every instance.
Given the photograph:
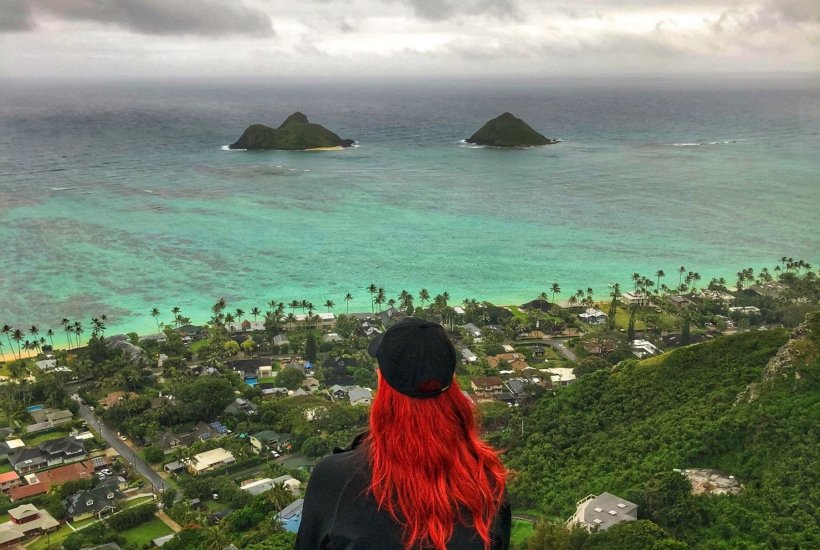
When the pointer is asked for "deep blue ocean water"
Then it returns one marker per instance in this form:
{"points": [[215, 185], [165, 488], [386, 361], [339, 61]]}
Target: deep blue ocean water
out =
{"points": [[118, 197]]}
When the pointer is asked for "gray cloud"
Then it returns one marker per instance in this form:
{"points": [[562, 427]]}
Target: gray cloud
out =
{"points": [[161, 17], [15, 16], [437, 10], [795, 11]]}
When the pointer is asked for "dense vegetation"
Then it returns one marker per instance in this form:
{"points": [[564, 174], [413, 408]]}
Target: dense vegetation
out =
{"points": [[624, 430], [296, 133], [508, 131]]}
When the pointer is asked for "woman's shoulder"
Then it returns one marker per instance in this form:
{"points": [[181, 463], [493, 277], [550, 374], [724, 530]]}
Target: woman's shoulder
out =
{"points": [[344, 463]]}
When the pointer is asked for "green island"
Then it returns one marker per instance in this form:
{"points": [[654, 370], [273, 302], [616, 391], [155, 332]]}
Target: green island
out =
{"points": [[296, 133], [663, 416], [506, 130]]}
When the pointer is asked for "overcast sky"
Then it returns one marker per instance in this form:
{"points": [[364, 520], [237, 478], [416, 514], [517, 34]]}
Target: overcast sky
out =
{"points": [[92, 38]]}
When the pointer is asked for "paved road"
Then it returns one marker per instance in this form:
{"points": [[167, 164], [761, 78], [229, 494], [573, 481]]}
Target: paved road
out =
{"points": [[561, 348], [127, 453]]}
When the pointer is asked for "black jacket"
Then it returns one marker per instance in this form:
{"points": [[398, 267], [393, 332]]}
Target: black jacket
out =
{"points": [[340, 514]]}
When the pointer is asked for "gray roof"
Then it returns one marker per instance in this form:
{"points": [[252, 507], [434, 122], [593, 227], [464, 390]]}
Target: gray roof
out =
{"points": [[471, 328], [356, 393], [27, 458], [95, 500], [292, 509], [606, 510], [64, 445]]}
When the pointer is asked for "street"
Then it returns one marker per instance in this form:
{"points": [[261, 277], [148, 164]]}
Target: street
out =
{"points": [[127, 453]]}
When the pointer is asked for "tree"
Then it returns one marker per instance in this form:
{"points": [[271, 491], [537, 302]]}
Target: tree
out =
{"points": [[247, 346], [311, 348], [613, 306], [256, 312], [231, 347], [591, 364], [7, 330], [668, 501], [555, 290], [424, 296], [372, 289], [290, 378], [153, 454], [659, 273], [329, 305], [155, 315], [348, 297]]}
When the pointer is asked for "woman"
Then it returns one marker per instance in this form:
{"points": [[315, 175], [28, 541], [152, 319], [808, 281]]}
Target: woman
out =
{"points": [[420, 478]]}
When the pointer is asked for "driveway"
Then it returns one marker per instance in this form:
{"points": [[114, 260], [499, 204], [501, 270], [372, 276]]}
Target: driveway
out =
{"points": [[127, 453]]}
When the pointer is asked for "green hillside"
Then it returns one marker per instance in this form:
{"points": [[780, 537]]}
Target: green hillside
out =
{"points": [[296, 133], [625, 431], [508, 131]]}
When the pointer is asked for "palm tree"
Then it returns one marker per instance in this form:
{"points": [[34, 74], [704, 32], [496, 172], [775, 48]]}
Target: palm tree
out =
{"points": [[348, 297], [256, 312], [155, 315], [446, 297], [380, 298], [291, 319], [175, 312], [424, 296], [78, 330], [7, 330], [329, 305], [372, 289], [681, 271], [239, 313], [391, 303], [3, 355], [659, 273], [541, 299], [67, 328], [573, 301], [50, 334], [293, 305], [17, 336], [555, 290], [34, 331], [215, 538]]}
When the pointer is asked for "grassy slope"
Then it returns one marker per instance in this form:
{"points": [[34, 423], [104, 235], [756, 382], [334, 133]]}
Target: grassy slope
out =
{"points": [[613, 431]]}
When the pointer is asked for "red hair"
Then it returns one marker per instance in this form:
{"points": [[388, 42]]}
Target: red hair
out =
{"points": [[430, 467]]}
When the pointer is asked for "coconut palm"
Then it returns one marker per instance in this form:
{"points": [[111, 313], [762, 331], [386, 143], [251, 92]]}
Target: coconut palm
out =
{"points": [[175, 312], [424, 296], [372, 289], [391, 303], [681, 271], [17, 336], [293, 305], [7, 330], [573, 301], [78, 331], [542, 297], [380, 298], [659, 273], [256, 312], [239, 314], [555, 289], [155, 315], [67, 328], [329, 305], [348, 297]]}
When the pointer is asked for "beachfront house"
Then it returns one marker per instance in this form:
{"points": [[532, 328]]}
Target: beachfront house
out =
{"points": [[640, 299], [602, 512]]}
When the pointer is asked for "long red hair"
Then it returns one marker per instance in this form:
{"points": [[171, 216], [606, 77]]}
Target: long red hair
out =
{"points": [[430, 466]]}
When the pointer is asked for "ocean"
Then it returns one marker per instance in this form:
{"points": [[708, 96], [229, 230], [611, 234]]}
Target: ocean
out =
{"points": [[118, 197]]}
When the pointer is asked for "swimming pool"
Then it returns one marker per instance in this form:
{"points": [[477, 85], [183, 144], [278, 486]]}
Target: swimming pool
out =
{"points": [[251, 380], [35, 408]]}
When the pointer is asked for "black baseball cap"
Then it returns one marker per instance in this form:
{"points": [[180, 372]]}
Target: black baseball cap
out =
{"points": [[415, 357]]}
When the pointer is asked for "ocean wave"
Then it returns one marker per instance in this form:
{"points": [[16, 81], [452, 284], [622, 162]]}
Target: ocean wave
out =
{"points": [[228, 148], [64, 188]]}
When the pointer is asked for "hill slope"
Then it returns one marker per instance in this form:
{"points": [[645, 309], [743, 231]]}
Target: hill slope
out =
{"points": [[617, 431], [508, 131], [296, 133]]}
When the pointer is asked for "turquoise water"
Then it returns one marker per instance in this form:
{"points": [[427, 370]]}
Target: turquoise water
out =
{"points": [[118, 198]]}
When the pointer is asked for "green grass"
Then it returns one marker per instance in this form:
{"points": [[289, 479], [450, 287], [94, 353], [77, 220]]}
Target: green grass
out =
{"points": [[215, 506], [56, 538], [622, 319], [521, 531], [4, 468], [267, 380], [37, 439], [145, 533]]}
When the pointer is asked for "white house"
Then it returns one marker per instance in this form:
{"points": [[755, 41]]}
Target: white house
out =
{"points": [[210, 460], [593, 316], [644, 348], [602, 512], [561, 376], [468, 355], [637, 298]]}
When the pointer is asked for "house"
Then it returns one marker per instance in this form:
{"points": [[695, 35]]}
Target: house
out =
{"points": [[159, 338], [507, 348], [745, 310], [280, 340], [291, 516], [561, 376], [191, 331], [319, 321], [115, 397], [241, 405], [640, 299], [360, 396], [458, 310], [472, 330], [772, 289], [97, 502], [259, 486], [168, 441], [40, 483], [48, 453], [174, 467], [644, 348], [269, 439], [9, 480], [269, 393], [494, 360], [209, 460], [602, 512], [679, 301], [9, 446], [468, 356], [539, 351], [486, 387], [123, 343], [717, 296], [46, 419], [26, 521], [310, 384], [593, 316], [46, 364]]}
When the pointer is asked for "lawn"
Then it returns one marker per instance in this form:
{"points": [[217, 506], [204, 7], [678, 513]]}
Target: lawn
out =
{"points": [[267, 380], [37, 439], [197, 346], [56, 538], [622, 319], [6, 467], [145, 533], [521, 531]]}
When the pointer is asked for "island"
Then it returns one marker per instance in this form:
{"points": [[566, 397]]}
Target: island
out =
{"points": [[508, 131], [295, 134]]}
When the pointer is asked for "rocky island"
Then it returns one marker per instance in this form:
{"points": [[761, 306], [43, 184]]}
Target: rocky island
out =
{"points": [[508, 131], [295, 134]]}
